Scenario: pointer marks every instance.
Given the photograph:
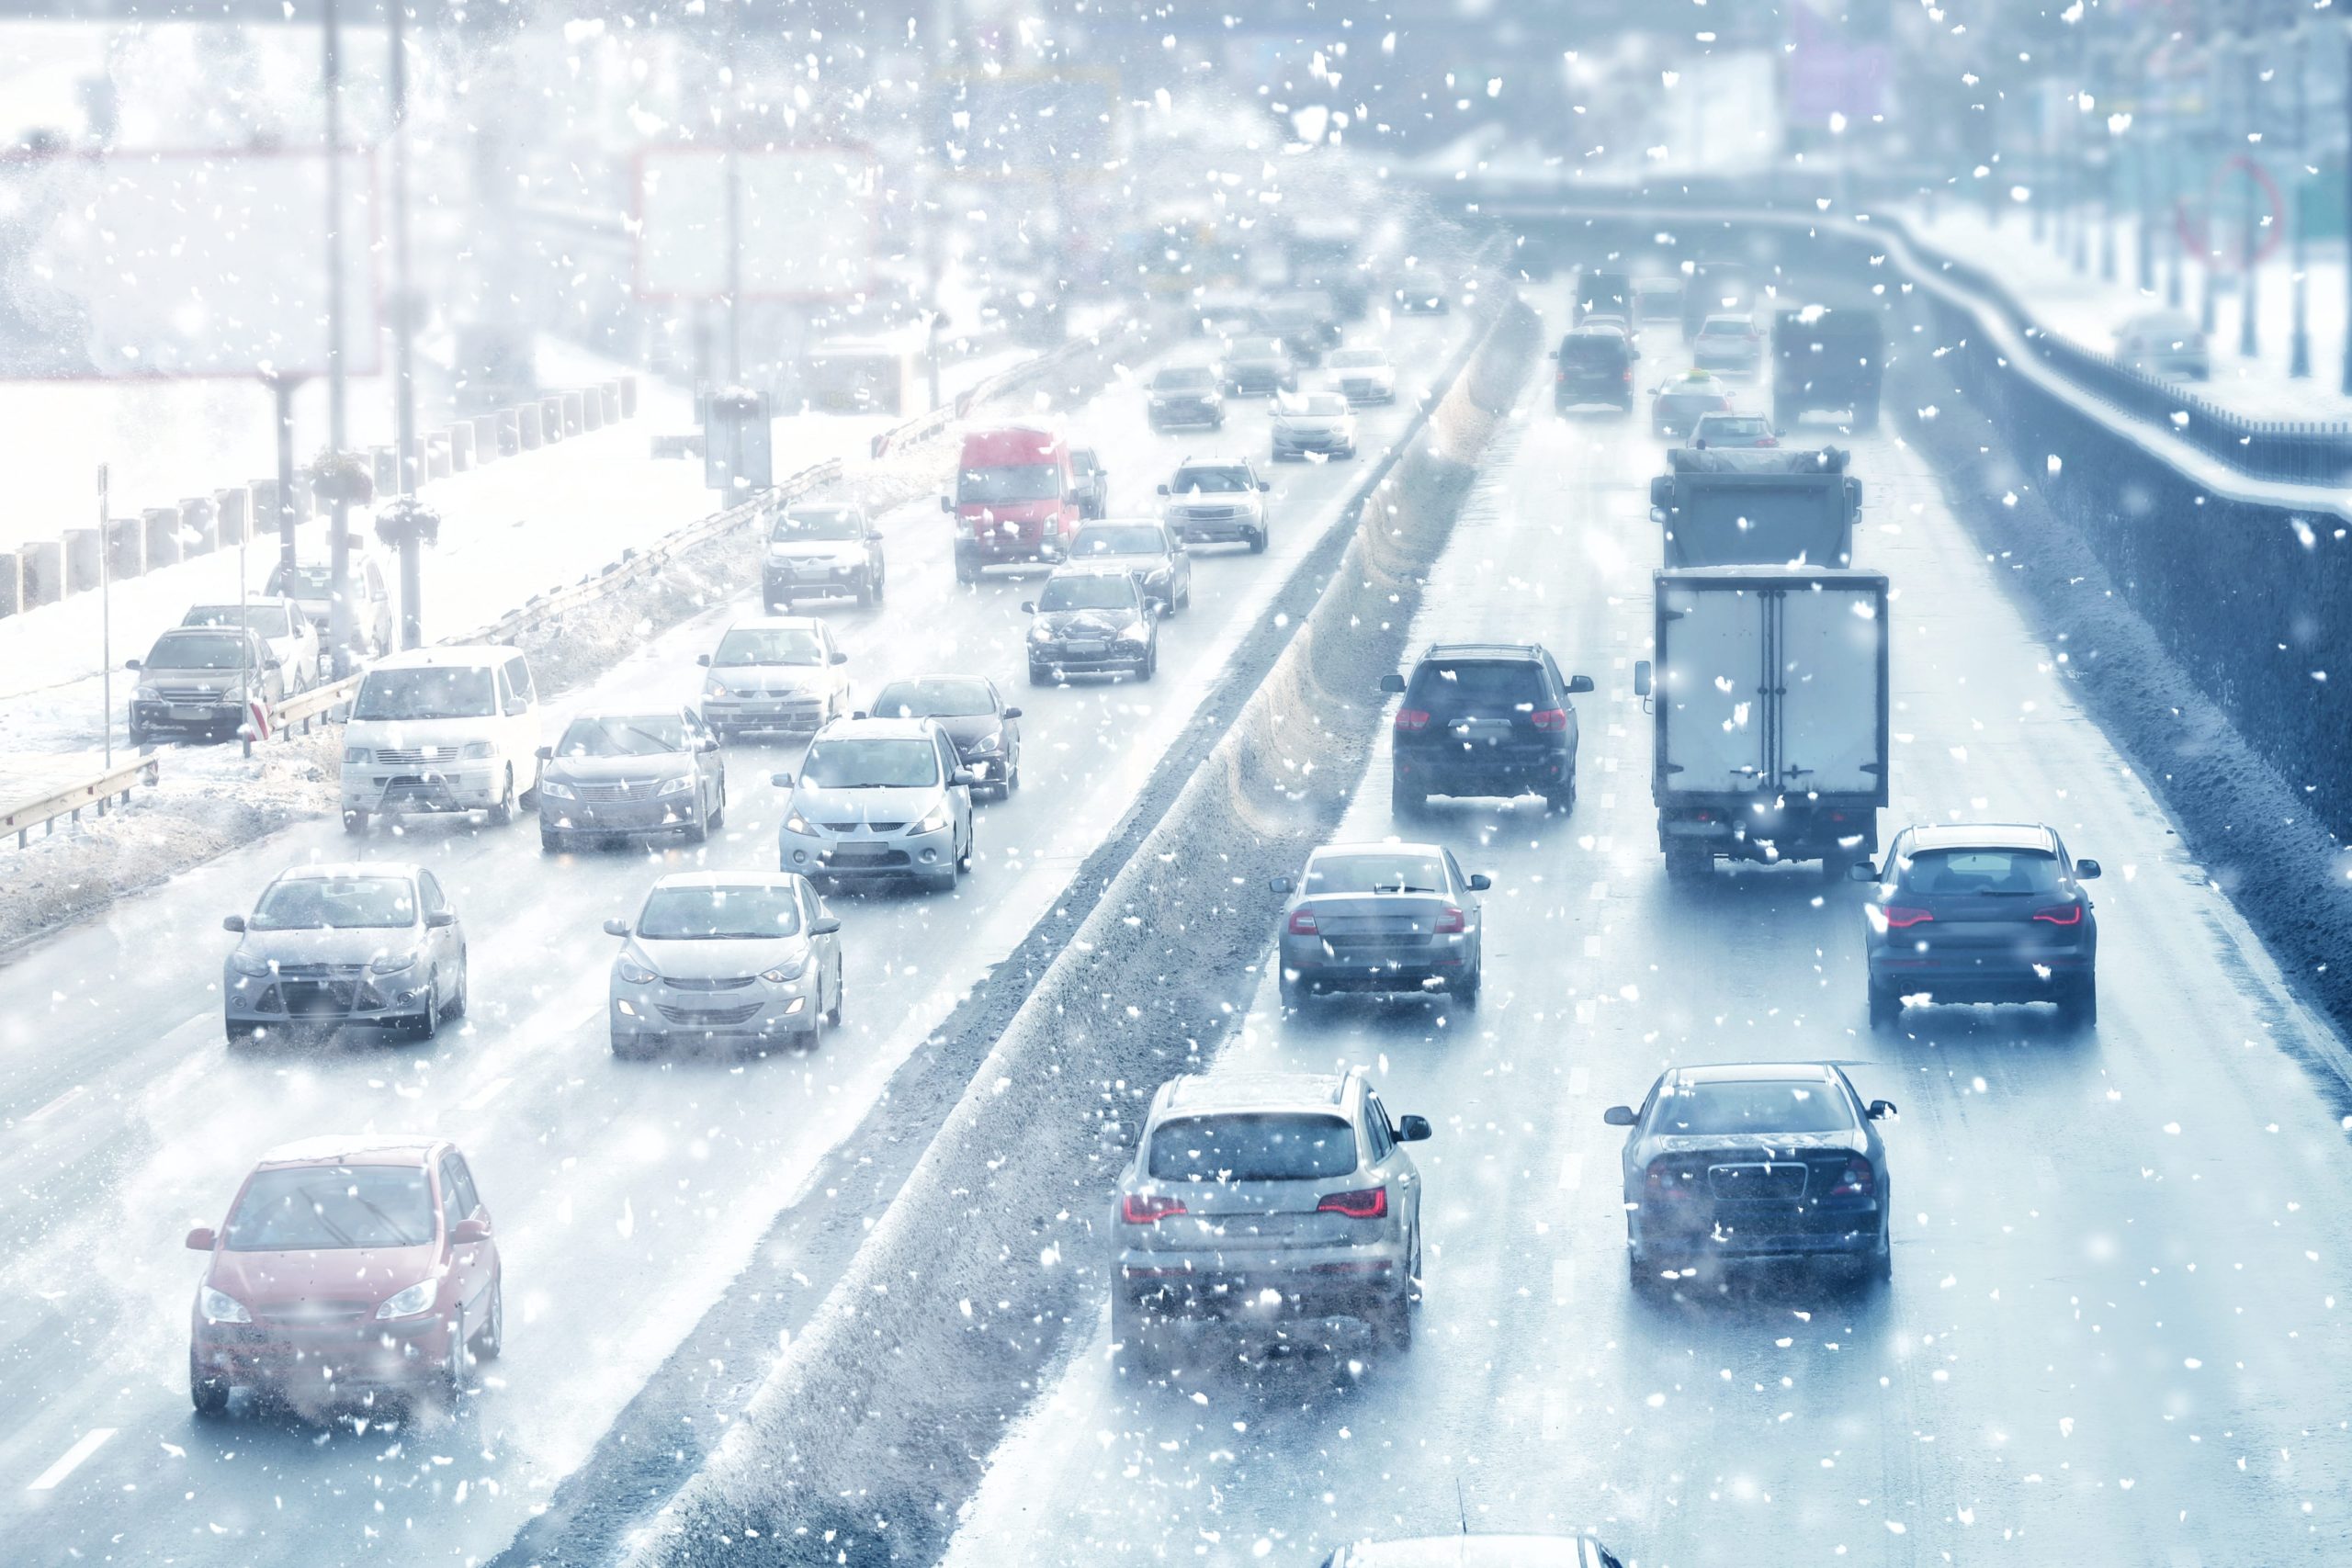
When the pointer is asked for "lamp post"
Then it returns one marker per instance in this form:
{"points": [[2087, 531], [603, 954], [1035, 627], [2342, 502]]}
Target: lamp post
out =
{"points": [[339, 616], [2249, 282], [2299, 332]]}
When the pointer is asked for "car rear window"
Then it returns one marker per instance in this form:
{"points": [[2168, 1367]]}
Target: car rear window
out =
{"points": [[1397, 872], [1763, 1105], [1494, 686], [1960, 871], [937, 697], [1592, 348], [1181, 378], [1258, 1146], [332, 1208]]}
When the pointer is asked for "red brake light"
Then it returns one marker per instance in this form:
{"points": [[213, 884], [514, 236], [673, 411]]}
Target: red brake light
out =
{"points": [[1139, 1210], [1655, 1181], [1366, 1204], [1414, 719], [2061, 914], [1898, 917], [1450, 923], [1857, 1182], [1562, 376], [1302, 922], [1769, 441], [1629, 377], [1551, 719]]}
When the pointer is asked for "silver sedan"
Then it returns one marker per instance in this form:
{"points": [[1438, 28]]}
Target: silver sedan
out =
{"points": [[739, 959]]}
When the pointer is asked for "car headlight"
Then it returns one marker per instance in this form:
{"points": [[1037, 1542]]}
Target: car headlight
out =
{"points": [[245, 962], [934, 820], [1041, 633], [634, 972], [784, 974], [148, 694], [678, 785], [475, 752], [556, 789], [989, 743], [795, 823], [360, 755], [393, 964], [220, 1306], [417, 1298], [714, 687]]}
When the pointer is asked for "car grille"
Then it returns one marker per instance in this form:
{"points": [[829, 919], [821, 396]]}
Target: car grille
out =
{"points": [[409, 757], [1209, 513], [854, 827], [724, 983], [321, 971], [626, 789], [710, 1018], [190, 693], [1360, 388], [1764, 1182], [318, 1311]]}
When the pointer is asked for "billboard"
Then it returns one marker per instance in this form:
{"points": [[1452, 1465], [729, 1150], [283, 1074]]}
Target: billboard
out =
{"points": [[164, 264], [808, 214]]}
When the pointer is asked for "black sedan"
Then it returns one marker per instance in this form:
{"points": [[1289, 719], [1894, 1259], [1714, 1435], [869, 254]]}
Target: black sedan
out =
{"points": [[1753, 1160], [1978, 913], [1091, 620], [986, 734], [627, 773]]}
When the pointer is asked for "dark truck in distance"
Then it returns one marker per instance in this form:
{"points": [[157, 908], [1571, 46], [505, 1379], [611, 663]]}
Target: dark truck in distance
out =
{"points": [[1752, 507], [1828, 359]]}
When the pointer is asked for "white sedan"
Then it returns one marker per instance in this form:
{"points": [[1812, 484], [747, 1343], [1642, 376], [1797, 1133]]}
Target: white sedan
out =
{"points": [[1314, 421], [1363, 376]]}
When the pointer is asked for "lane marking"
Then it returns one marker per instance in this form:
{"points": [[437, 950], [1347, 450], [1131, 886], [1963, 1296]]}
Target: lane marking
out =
{"points": [[60, 1103], [92, 1441], [1572, 1171], [485, 1094], [1564, 1281], [1599, 891]]}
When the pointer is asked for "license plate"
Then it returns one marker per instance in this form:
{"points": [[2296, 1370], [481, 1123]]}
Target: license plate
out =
{"points": [[1086, 648], [193, 715]]}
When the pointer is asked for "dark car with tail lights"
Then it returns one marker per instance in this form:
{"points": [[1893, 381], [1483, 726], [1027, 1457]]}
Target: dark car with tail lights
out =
{"points": [[1981, 912]]}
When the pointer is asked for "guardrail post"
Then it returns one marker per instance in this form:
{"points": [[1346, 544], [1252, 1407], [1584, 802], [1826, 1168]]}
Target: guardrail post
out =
{"points": [[461, 446]]}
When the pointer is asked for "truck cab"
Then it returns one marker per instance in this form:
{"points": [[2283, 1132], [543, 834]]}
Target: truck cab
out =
{"points": [[1016, 500]]}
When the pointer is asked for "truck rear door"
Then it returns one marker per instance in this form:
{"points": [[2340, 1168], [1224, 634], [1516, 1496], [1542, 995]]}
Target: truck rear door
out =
{"points": [[1710, 674], [1831, 653]]}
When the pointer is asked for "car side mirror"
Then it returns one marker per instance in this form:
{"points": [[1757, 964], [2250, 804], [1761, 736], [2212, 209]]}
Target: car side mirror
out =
{"points": [[780, 780], [945, 504], [439, 919], [702, 660], [1012, 713], [233, 922], [824, 925], [837, 658], [859, 713], [2087, 871], [1579, 684], [1028, 607], [1553, 355], [1480, 881], [1698, 442], [1413, 1129], [202, 1239], [617, 928], [874, 534], [544, 753], [1163, 490], [705, 742], [470, 1232], [133, 663], [964, 776], [517, 707], [1863, 872], [1882, 1109], [1619, 1116], [1632, 354], [1641, 677], [1281, 885], [1265, 484], [1394, 683]]}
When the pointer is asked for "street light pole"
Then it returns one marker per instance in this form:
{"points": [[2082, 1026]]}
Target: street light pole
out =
{"points": [[404, 336], [339, 617], [2249, 282], [2299, 341]]}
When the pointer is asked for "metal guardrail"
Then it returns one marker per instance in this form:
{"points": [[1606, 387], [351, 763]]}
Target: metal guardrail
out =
{"points": [[95, 793], [315, 703]]}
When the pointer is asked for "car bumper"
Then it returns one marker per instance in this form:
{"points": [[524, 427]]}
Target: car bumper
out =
{"points": [[1216, 530], [387, 787], [1303, 441], [1364, 395], [762, 1013], [1114, 658], [1414, 964], [1321, 1282], [189, 718], [1524, 774], [657, 816], [797, 716], [904, 854], [780, 584], [1844, 1232], [281, 1002], [1187, 414], [324, 1362], [2006, 978]]}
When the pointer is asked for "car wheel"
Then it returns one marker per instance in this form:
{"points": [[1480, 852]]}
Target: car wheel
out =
{"points": [[1393, 1322], [719, 809], [833, 1013], [866, 594], [1038, 676], [1258, 542], [355, 822], [1561, 799], [1467, 990], [428, 1024], [1883, 1260], [1687, 862], [460, 1362], [1886, 1005], [881, 585], [1406, 801], [1012, 775], [628, 1047], [504, 811], [1184, 600], [2080, 1008], [967, 569], [1150, 665], [550, 841], [210, 1395], [491, 1338], [1293, 992], [456, 1006], [963, 861], [698, 831], [1132, 1327]]}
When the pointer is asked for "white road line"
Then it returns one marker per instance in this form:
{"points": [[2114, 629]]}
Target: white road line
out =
{"points": [[1564, 1281], [71, 1460], [1580, 1080], [485, 1094], [60, 1103], [1572, 1171]]}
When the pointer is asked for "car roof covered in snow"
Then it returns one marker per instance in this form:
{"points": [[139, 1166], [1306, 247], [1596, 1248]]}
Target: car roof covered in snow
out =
{"points": [[1195, 1094], [1982, 836], [354, 1148]]}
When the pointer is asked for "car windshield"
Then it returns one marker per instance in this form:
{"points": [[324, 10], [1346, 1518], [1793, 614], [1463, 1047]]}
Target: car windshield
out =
{"points": [[623, 735], [742, 912], [1117, 539], [1315, 405], [871, 762], [1375, 874], [303, 582], [940, 697], [335, 903], [1961, 871], [1213, 478], [1261, 1146], [769, 645], [1761, 1105], [1495, 687], [454, 690], [332, 1209], [197, 652], [270, 620], [1013, 481], [815, 523], [1358, 359], [1183, 378], [1088, 591]]}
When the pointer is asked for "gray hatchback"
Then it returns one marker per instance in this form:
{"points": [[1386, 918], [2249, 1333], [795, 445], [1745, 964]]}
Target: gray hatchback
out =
{"points": [[1381, 918], [631, 772], [362, 942], [1266, 1198]]}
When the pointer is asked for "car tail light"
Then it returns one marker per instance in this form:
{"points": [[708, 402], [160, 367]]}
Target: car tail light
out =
{"points": [[1552, 719], [1365, 1203], [1413, 719], [1858, 1179], [1767, 441], [2061, 914], [1899, 917], [1628, 378], [1451, 923], [1658, 1180], [1138, 1209], [1302, 922], [1561, 377]]}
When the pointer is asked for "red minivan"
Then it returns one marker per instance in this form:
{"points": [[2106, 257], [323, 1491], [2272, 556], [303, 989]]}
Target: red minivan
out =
{"points": [[1015, 499], [349, 1265]]}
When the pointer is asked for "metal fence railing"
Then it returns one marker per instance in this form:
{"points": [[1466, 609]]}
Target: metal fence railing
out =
{"points": [[95, 795]]}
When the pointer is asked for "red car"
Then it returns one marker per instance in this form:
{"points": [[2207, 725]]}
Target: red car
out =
{"points": [[348, 1266], [1017, 499]]}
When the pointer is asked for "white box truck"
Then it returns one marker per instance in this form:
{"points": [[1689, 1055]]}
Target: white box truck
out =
{"points": [[1769, 714]]}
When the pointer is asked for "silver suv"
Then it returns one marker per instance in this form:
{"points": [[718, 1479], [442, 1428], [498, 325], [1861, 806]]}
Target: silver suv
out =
{"points": [[1264, 1198]]}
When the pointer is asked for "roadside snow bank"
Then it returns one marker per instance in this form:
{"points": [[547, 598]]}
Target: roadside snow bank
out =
{"points": [[875, 1426]]}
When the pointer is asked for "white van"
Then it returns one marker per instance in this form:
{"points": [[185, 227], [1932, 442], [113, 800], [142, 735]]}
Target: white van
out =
{"points": [[442, 730]]}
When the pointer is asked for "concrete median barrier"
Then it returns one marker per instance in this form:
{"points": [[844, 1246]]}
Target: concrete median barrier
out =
{"points": [[126, 548], [874, 1427], [11, 582], [461, 438], [529, 435], [231, 511], [81, 549], [199, 526], [42, 567], [163, 530]]}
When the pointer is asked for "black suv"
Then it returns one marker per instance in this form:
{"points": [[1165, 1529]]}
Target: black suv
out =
{"points": [[1595, 366], [1484, 719]]}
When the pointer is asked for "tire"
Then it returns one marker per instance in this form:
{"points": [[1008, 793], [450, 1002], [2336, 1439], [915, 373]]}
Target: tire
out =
{"points": [[1562, 800], [866, 594], [456, 1006], [489, 1339], [1013, 777], [1184, 600], [209, 1396], [460, 1361], [1881, 1265], [1294, 993], [833, 1013], [1690, 862], [1406, 801], [881, 585], [1835, 865], [1886, 1006], [1258, 543], [2080, 1008], [628, 1047], [429, 1024], [503, 812], [1149, 664], [971, 843], [550, 841], [698, 831], [967, 569], [1132, 1327], [1039, 677], [355, 822], [1393, 1322], [1466, 993], [719, 811]]}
